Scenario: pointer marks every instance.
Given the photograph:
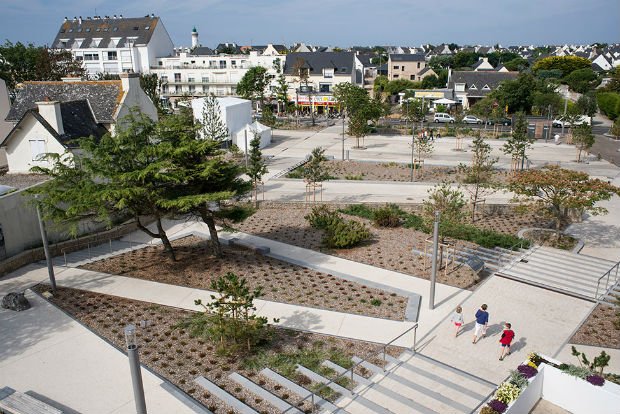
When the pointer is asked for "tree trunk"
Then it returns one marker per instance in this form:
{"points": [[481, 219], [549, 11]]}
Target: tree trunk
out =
{"points": [[475, 197], [161, 234], [207, 217]]}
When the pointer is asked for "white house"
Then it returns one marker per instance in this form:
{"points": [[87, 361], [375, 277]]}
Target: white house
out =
{"points": [[115, 44], [236, 113], [48, 117], [5, 127]]}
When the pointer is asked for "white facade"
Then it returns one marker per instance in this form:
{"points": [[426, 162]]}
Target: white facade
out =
{"points": [[23, 150], [5, 127], [187, 75], [237, 115]]}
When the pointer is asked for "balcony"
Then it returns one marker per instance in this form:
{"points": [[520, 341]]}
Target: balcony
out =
{"points": [[194, 66]]}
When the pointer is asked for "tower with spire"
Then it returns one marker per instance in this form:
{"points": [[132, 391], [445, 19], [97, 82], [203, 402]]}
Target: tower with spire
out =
{"points": [[195, 43]]}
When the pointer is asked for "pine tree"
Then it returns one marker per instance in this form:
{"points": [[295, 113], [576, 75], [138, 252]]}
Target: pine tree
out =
{"points": [[256, 165], [213, 127]]}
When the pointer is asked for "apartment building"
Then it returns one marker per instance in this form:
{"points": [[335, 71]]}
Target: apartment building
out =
{"points": [[115, 44], [407, 66]]}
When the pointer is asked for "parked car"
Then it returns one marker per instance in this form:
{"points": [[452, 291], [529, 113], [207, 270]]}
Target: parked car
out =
{"points": [[470, 119], [580, 120], [500, 121], [443, 118]]}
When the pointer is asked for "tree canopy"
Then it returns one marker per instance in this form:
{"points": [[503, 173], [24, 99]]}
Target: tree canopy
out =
{"points": [[566, 64], [359, 107], [518, 144], [556, 191], [20, 63], [253, 84]]}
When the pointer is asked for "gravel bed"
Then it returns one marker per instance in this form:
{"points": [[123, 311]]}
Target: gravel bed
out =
{"points": [[599, 329], [175, 355], [280, 281]]}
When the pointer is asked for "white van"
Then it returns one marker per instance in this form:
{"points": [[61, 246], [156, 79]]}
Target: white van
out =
{"points": [[443, 117]]}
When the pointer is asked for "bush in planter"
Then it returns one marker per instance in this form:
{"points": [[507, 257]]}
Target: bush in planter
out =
{"points": [[527, 371], [595, 380], [498, 406], [387, 216], [321, 217], [488, 410], [507, 392], [518, 379]]}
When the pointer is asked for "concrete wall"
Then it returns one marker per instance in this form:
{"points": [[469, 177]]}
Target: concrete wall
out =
{"points": [[236, 114], [530, 396], [18, 150]]}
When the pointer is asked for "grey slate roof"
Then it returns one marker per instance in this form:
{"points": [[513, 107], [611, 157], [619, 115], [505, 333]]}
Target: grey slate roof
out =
{"points": [[102, 96], [140, 28], [77, 120], [202, 51], [407, 58], [341, 62], [481, 78]]}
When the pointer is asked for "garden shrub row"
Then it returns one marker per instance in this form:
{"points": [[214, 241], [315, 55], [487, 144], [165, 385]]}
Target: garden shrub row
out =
{"points": [[391, 214], [339, 233]]}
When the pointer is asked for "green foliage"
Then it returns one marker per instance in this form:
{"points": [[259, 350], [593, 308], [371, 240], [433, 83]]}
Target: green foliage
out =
{"points": [[268, 117], [20, 63], [387, 216], [609, 104], [256, 164], [517, 64], [566, 64], [213, 127], [339, 233], [229, 317], [581, 80], [517, 94], [314, 170], [359, 108], [518, 379], [519, 142], [597, 364], [253, 84], [150, 85], [583, 138], [543, 101], [575, 371], [487, 410], [359, 210], [615, 128], [281, 91], [446, 200], [586, 104], [614, 84], [549, 74]]}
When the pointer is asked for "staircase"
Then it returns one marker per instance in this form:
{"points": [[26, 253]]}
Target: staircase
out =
{"points": [[565, 272], [493, 259], [409, 384]]}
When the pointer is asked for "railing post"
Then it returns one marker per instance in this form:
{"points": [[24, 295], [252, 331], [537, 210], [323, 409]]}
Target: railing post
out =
{"points": [[352, 372], [415, 334], [110, 246], [89, 257], [597, 286], [313, 405], [64, 253]]}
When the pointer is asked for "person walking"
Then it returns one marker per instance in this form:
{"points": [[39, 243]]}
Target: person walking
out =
{"points": [[432, 137], [457, 319], [482, 321], [505, 341]]}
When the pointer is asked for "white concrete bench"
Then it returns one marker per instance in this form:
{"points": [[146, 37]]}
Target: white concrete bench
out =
{"points": [[16, 402]]}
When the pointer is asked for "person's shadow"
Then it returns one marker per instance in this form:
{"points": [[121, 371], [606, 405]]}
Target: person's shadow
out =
{"points": [[494, 329], [520, 344]]}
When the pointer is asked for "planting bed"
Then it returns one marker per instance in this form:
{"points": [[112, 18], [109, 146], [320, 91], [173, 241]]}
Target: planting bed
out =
{"points": [[390, 248], [599, 329], [392, 171], [283, 282], [175, 355]]}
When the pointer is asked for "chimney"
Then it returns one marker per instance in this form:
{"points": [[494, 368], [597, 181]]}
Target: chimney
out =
{"points": [[129, 80], [80, 20], [50, 111]]}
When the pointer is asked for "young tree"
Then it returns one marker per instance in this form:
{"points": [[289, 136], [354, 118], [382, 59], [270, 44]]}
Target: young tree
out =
{"points": [[586, 104], [421, 148], [556, 191], [449, 201], [213, 127], [484, 108], [518, 144], [615, 129], [116, 175], [282, 86], [253, 84], [256, 164], [583, 138], [479, 175], [359, 108], [314, 171], [229, 317]]}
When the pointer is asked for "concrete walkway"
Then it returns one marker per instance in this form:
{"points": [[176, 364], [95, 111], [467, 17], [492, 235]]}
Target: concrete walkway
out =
{"points": [[542, 320], [47, 353]]}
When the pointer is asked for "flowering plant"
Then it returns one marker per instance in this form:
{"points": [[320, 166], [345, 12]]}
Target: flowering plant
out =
{"points": [[533, 365], [595, 380], [507, 392], [498, 406], [527, 371]]}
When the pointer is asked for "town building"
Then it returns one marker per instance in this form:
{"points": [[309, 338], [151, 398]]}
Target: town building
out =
{"points": [[407, 66], [115, 44], [471, 86], [48, 117]]}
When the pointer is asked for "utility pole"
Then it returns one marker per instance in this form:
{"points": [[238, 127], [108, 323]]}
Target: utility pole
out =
{"points": [[342, 135], [431, 298], [564, 117]]}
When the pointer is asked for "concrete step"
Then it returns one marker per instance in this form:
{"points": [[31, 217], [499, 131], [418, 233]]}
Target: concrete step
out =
{"points": [[573, 263], [227, 398], [551, 252], [340, 370], [538, 265], [301, 391], [551, 284], [256, 389]]}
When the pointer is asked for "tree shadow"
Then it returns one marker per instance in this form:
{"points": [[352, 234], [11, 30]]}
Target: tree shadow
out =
{"points": [[302, 320]]}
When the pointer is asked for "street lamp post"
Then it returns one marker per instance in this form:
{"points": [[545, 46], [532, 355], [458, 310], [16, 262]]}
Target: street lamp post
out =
{"points": [[134, 366], [46, 248], [342, 135], [431, 298], [412, 148]]}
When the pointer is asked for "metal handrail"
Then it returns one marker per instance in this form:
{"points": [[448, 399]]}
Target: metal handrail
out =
{"points": [[500, 260], [608, 273], [351, 370]]}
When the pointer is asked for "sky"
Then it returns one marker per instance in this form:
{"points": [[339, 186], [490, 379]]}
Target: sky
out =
{"points": [[336, 22]]}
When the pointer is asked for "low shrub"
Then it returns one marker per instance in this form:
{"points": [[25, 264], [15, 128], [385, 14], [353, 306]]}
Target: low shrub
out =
{"points": [[575, 371], [344, 234], [387, 216], [527, 371], [359, 210], [498, 406], [488, 410], [595, 380], [321, 217], [518, 379]]}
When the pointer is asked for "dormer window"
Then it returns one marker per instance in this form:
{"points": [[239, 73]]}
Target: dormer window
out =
{"points": [[78, 43], [486, 88], [328, 73], [473, 87], [147, 27]]}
